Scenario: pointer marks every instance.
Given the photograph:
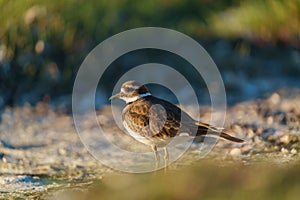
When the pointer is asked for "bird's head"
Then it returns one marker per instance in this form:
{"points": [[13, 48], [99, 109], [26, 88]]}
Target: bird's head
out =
{"points": [[131, 91]]}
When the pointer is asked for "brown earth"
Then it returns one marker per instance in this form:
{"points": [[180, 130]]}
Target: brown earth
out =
{"points": [[41, 153]]}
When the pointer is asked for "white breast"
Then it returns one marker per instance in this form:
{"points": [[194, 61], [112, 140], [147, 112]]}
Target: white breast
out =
{"points": [[136, 135]]}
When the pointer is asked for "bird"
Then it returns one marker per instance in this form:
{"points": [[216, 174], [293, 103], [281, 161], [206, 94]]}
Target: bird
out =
{"points": [[155, 122]]}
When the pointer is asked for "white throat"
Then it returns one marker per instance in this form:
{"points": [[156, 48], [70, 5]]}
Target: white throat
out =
{"points": [[132, 99]]}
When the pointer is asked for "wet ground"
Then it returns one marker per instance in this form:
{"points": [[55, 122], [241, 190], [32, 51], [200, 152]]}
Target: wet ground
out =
{"points": [[41, 154]]}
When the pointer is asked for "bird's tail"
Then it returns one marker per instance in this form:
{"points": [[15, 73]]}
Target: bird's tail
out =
{"points": [[211, 131], [230, 138]]}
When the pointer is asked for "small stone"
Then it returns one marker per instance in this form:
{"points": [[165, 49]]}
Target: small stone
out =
{"points": [[274, 99], [294, 151], [257, 140], [285, 139], [62, 152], [235, 152], [250, 133], [237, 129], [246, 149], [3, 158], [259, 130], [270, 120], [276, 148], [284, 150]]}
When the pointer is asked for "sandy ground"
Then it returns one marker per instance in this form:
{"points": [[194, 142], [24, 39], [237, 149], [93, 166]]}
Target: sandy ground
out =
{"points": [[41, 152]]}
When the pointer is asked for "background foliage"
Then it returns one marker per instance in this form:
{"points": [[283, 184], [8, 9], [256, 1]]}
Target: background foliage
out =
{"points": [[42, 43]]}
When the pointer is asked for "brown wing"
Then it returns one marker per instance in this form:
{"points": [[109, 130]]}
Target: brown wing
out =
{"points": [[172, 120], [178, 119], [153, 117], [163, 122]]}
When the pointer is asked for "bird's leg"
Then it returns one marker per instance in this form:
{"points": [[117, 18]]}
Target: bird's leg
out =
{"points": [[166, 157], [154, 149]]}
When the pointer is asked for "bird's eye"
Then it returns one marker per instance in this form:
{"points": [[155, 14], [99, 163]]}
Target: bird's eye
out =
{"points": [[128, 90]]}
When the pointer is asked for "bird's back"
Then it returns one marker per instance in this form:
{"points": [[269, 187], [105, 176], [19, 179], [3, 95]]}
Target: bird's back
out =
{"points": [[152, 117]]}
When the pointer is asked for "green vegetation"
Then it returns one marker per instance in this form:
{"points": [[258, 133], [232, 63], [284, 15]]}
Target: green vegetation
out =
{"points": [[267, 21], [204, 181], [44, 42]]}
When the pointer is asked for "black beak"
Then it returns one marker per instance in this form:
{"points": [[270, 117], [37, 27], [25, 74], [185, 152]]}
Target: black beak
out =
{"points": [[115, 96]]}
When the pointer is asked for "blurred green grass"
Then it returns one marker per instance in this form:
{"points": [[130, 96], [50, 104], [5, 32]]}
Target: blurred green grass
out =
{"points": [[267, 21], [203, 181], [62, 20], [42, 43]]}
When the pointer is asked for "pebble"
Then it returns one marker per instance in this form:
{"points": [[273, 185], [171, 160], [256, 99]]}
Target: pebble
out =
{"points": [[257, 140], [236, 152], [237, 128], [270, 120], [62, 151], [294, 151], [274, 99], [285, 139], [250, 133], [284, 150], [246, 149]]}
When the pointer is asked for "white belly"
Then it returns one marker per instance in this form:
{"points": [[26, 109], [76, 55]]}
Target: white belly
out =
{"points": [[159, 142], [137, 136]]}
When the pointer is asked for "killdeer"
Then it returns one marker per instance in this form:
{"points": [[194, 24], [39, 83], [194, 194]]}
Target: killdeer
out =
{"points": [[155, 122]]}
